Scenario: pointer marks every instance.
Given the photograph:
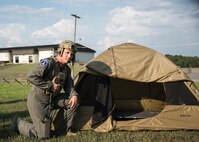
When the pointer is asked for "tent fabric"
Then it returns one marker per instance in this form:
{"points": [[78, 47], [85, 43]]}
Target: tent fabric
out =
{"points": [[104, 102], [134, 62], [133, 78], [171, 118], [96, 92]]}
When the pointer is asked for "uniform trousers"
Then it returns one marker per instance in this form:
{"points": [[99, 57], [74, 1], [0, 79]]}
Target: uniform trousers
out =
{"points": [[38, 111]]}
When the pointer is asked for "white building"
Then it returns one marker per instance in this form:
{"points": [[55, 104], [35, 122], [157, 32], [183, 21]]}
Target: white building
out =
{"points": [[5, 55], [33, 54]]}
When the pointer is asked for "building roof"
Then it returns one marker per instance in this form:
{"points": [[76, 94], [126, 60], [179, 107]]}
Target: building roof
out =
{"points": [[80, 48]]}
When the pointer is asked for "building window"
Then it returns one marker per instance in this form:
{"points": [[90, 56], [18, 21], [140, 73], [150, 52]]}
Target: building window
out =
{"points": [[16, 59], [30, 59]]}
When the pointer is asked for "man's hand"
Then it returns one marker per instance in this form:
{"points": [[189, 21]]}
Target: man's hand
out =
{"points": [[73, 101], [56, 84]]}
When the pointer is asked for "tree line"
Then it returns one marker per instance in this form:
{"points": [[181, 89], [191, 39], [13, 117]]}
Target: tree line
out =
{"points": [[184, 61]]}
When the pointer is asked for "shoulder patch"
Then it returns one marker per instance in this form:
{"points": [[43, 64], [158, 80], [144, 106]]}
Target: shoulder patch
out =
{"points": [[43, 62]]}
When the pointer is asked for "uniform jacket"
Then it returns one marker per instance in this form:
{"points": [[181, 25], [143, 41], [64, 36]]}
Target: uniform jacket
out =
{"points": [[41, 79]]}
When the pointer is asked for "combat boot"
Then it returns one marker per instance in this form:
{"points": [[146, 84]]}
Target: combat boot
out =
{"points": [[71, 134], [15, 121]]}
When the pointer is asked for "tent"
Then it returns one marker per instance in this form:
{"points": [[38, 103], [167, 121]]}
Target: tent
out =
{"points": [[132, 87]]}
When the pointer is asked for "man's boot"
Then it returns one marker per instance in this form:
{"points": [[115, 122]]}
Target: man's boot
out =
{"points": [[15, 121], [71, 133]]}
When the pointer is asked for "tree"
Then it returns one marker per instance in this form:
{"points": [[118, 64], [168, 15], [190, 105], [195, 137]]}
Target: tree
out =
{"points": [[184, 61]]}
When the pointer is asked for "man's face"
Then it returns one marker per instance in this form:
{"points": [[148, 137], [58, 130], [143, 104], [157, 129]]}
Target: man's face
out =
{"points": [[66, 56]]}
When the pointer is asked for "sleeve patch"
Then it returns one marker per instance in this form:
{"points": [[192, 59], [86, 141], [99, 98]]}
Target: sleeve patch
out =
{"points": [[43, 63]]}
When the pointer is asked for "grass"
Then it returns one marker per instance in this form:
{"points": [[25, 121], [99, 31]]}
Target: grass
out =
{"points": [[20, 71], [13, 101], [197, 85], [13, 98]]}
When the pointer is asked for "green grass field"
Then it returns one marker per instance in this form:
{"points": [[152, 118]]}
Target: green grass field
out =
{"points": [[13, 101], [21, 70]]}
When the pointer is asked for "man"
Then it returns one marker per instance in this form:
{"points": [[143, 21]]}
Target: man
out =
{"points": [[49, 78]]}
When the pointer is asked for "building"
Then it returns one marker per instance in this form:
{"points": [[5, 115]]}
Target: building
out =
{"points": [[33, 54]]}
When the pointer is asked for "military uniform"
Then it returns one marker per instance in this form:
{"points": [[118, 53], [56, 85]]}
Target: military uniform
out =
{"points": [[40, 102]]}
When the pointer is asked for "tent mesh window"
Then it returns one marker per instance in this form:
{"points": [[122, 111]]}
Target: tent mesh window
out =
{"points": [[178, 94]]}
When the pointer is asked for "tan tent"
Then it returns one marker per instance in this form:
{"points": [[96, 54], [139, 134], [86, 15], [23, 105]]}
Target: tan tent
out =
{"points": [[132, 87]]}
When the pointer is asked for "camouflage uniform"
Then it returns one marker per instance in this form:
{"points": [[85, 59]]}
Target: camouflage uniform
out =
{"points": [[39, 98]]}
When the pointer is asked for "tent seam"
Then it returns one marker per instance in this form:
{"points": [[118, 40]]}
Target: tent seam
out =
{"points": [[114, 63]]}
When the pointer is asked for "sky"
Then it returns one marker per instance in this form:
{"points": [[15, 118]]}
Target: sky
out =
{"points": [[167, 26]]}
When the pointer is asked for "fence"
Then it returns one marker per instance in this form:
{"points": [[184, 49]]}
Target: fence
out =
{"points": [[15, 80], [193, 73]]}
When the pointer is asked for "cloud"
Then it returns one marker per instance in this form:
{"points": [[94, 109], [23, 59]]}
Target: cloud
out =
{"points": [[10, 35], [61, 30], [140, 23], [125, 24], [23, 9], [125, 21], [18, 12], [16, 34], [44, 26], [135, 25], [79, 2]]}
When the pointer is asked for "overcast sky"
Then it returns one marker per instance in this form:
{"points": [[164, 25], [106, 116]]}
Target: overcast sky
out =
{"points": [[168, 26]]}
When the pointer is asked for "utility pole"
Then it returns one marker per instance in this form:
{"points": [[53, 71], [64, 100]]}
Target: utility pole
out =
{"points": [[75, 16], [74, 40]]}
